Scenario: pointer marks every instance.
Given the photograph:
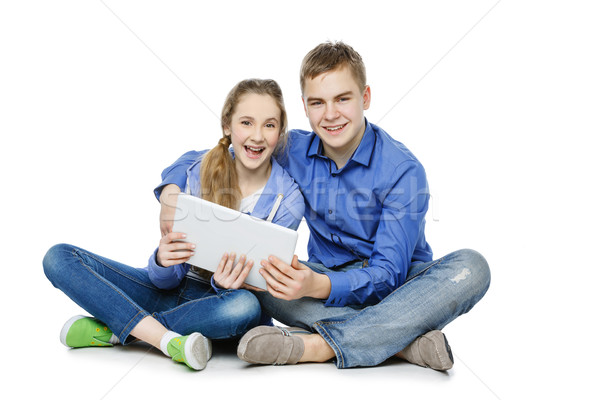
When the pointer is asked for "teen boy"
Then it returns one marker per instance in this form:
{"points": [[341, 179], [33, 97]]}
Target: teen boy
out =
{"points": [[370, 289]]}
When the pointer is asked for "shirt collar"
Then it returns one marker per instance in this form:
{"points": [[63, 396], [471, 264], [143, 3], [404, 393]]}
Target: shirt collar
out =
{"points": [[363, 152]]}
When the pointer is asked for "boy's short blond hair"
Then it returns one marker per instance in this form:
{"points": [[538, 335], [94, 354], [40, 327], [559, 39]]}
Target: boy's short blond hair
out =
{"points": [[330, 56]]}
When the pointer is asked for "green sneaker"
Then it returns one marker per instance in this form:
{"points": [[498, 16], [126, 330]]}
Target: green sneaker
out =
{"points": [[194, 350], [82, 331]]}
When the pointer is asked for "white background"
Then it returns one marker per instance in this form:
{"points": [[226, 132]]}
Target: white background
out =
{"points": [[499, 101]]}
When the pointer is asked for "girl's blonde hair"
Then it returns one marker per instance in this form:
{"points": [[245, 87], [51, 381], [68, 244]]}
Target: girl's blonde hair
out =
{"points": [[218, 175]]}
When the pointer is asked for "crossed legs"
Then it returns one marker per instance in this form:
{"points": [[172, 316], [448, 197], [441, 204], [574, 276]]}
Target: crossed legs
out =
{"points": [[434, 294]]}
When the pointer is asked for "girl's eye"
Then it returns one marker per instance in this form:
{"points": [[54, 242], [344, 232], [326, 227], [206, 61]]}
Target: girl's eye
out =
{"points": [[271, 125], [247, 123]]}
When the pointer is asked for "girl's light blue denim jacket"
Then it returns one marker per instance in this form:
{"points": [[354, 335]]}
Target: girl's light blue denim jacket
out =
{"points": [[289, 212]]}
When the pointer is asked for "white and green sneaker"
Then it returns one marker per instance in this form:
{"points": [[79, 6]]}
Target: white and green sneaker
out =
{"points": [[194, 350], [82, 331]]}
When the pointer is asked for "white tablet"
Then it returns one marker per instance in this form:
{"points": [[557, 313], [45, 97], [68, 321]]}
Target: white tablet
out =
{"points": [[216, 230]]}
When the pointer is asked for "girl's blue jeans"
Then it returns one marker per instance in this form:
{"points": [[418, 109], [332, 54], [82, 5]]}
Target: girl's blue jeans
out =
{"points": [[434, 294], [121, 296]]}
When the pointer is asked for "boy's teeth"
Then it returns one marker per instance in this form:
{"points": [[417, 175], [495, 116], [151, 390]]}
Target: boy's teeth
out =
{"points": [[335, 128]]}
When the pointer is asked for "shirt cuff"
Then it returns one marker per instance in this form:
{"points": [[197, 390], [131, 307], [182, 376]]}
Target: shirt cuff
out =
{"points": [[158, 271], [170, 179], [340, 289], [214, 285]]}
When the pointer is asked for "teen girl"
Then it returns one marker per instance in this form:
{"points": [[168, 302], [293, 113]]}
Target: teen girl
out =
{"points": [[168, 304]]}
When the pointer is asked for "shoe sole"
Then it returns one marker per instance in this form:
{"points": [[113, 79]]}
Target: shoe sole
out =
{"points": [[446, 360], [65, 329], [199, 350], [449, 350]]}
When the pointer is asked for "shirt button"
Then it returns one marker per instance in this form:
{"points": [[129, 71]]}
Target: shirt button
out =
{"points": [[330, 212]]}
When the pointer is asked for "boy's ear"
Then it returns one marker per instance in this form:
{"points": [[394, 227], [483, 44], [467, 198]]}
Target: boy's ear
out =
{"points": [[366, 97]]}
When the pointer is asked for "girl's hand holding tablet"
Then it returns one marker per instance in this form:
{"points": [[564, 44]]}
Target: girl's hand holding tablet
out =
{"points": [[172, 251], [228, 276]]}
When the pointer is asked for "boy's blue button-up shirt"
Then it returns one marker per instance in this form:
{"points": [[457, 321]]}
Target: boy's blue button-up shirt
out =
{"points": [[371, 210]]}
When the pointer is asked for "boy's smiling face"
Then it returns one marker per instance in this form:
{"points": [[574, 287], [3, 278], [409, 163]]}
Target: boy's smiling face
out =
{"points": [[334, 105]]}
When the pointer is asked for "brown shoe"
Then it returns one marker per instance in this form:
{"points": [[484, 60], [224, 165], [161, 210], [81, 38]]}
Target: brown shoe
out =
{"points": [[271, 345], [430, 350]]}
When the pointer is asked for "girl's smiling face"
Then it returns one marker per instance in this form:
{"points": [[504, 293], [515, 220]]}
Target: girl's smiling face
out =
{"points": [[255, 129]]}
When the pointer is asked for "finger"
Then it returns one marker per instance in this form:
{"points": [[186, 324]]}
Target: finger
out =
{"points": [[229, 264], [169, 259], [273, 285], [179, 254], [169, 263], [244, 273], [230, 279], [173, 236], [221, 265], [276, 272], [234, 274], [176, 247], [283, 267], [239, 266], [296, 264], [275, 293]]}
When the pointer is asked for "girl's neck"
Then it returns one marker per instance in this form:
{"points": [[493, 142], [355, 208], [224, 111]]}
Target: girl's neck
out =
{"points": [[251, 181]]}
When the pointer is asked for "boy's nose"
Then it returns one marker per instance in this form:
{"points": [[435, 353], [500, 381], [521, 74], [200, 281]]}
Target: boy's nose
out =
{"points": [[331, 113]]}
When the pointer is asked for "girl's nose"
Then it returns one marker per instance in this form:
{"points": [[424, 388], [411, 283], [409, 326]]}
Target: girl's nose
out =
{"points": [[257, 134]]}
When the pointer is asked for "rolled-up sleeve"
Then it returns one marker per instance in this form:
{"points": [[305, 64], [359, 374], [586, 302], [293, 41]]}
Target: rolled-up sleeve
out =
{"points": [[165, 277], [176, 173]]}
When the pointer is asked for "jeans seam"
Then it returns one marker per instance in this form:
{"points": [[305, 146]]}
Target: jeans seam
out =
{"points": [[186, 281], [134, 305], [361, 310], [126, 328], [220, 295], [324, 324], [332, 343], [114, 270], [436, 262], [180, 297]]}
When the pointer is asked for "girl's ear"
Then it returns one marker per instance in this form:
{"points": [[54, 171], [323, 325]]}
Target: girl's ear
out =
{"points": [[227, 131]]}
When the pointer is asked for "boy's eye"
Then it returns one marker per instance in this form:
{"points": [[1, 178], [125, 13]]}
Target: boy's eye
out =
{"points": [[344, 99], [315, 103]]}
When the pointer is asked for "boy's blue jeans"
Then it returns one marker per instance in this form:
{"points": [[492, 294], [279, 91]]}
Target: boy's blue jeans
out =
{"points": [[121, 296], [434, 294]]}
